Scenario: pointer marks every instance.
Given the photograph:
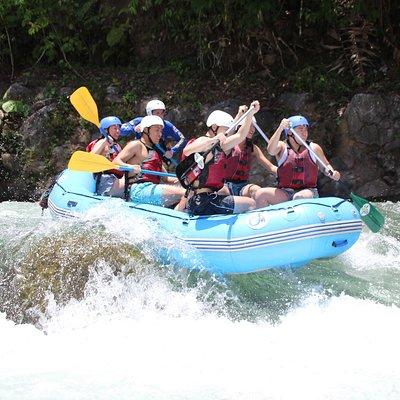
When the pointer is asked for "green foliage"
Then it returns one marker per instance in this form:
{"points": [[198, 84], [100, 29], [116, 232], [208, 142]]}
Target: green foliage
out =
{"points": [[318, 80], [130, 97], [11, 142], [178, 66], [15, 106], [225, 35]]}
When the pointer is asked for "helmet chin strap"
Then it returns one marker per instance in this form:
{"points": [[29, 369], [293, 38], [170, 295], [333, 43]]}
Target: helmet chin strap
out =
{"points": [[109, 134], [148, 135], [299, 144], [115, 141], [214, 131]]}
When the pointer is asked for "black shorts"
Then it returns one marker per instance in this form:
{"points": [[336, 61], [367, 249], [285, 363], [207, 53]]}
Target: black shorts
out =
{"points": [[211, 203]]}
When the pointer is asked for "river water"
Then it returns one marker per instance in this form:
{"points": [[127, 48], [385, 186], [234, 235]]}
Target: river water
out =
{"points": [[86, 312]]}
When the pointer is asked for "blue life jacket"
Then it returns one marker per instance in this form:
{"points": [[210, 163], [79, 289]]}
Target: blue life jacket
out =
{"points": [[170, 132]]}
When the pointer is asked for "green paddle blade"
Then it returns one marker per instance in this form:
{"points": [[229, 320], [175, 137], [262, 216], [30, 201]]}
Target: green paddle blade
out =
{"points": [[369, 214]]}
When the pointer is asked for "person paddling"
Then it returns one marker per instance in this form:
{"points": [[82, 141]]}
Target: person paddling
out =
{"points": [[240, 162], [111, 182], [172, 140], [205, 199], [297, 167], [149, 188]]}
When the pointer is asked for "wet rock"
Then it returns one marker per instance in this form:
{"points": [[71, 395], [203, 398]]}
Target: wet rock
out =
{"points": [[81, 138], [266, 122], [295, 102], [17, 91], [66, 91], [230, 106], [40, 104], [33, 129], [365, 115], [181, 116], [61, 156], [113, 95], [374, 189], [8, 161], [34, 167]]}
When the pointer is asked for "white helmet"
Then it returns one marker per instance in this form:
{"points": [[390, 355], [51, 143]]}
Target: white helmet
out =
{"points": [[149, 121], [154, 105], [219, 118]]}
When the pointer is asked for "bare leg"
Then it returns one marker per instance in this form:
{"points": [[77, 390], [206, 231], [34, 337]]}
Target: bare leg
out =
{"points": [[243, 204], [118, 188], [172, 194], [182, 205], [250, 190], [224, 191], [269, 195], [304, 194]]}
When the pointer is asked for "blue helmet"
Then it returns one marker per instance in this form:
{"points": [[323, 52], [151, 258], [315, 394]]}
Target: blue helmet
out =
{"points": [[106, 122], [296, 120]]}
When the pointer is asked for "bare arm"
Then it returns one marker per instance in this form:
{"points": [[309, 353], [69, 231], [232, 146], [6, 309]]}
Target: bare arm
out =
{"points": [[202, 143], [276, 146], [242, 109], [262, 160], [168, 179], [325, 169], [131, 150], [241, 134], [100, 147]]}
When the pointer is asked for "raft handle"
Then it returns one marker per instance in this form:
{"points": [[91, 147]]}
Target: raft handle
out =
{"points": [[339, 243]]}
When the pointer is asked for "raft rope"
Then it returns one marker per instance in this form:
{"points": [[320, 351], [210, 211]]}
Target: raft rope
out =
{"points": [[207, 216]]}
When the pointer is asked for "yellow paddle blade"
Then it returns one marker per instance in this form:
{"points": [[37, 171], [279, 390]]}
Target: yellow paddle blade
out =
{"points": [[89, 162], [83, 102]]}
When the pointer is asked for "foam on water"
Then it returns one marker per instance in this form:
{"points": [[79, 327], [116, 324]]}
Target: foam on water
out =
{"points": [[341, 348], [148, 335]]}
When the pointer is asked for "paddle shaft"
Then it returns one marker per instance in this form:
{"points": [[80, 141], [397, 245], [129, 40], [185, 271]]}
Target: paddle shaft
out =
{"points": [[173, 161], [89, 162], [236, 123], [261, 132], [311, 150], [229, 131], [145, 171]]}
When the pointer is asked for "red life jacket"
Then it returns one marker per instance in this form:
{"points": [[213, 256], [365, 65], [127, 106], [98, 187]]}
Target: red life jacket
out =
{"points": [[214, 172], [114, 150], [298, 171], [152, 162], [239, 163]]}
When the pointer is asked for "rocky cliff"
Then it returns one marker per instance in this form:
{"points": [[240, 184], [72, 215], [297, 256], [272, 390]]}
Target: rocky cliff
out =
{"points": [[39, 130]]}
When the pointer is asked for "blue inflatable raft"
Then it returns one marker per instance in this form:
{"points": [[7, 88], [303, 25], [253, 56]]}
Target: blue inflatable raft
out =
{"points": [[285, 235]]}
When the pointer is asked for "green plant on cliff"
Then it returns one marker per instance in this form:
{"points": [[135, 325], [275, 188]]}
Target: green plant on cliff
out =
{"points": [[353, 36], [15, 106]]}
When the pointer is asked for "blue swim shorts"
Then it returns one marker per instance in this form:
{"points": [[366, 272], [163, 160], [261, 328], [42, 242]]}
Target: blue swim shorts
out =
{"points": [[147, 192]]}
